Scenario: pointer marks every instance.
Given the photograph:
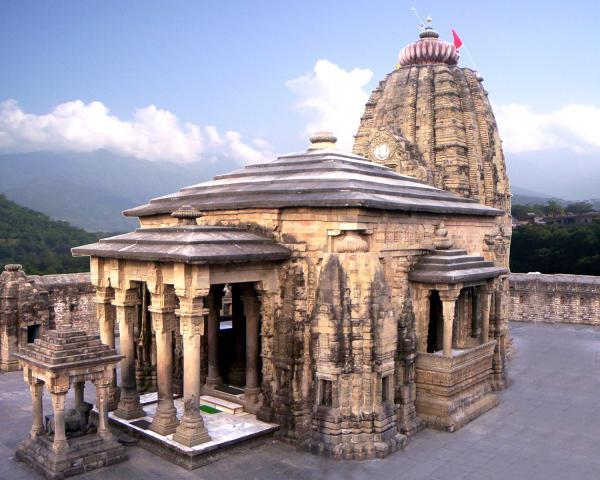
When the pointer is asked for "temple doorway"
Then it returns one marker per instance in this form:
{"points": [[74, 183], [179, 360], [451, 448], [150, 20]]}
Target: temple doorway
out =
{"points": [[435, 331], [233, 337]]}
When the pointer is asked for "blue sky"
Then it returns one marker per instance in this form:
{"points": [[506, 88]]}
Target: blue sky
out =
{"points": [[226, 63]]}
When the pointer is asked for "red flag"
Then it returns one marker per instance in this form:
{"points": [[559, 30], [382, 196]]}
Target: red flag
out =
{"points": [[457, 41]]}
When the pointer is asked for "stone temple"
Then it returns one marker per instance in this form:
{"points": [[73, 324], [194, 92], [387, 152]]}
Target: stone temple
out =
{"points": [[343, 300]]}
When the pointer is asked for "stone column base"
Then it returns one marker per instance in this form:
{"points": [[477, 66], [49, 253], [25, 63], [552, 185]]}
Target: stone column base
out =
{"points": [[213, 382], [165, 423], [129, 408], [87, 453], [191, 432]]}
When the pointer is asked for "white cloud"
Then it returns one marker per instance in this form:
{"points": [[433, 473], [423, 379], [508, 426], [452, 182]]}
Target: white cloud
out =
{"points": [[575, 127], [333, 99], [153, 134]]}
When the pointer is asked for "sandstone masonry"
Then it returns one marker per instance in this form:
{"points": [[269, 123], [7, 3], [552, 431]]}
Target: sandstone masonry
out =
{"points": [[31, 305], [536, 297]]}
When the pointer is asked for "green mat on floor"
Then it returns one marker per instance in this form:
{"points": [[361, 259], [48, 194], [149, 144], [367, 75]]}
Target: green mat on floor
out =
{"points": [[207, 409]]}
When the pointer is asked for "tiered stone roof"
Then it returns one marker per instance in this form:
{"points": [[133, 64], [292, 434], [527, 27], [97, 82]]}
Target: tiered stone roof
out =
{"points": [[453, 266], [62, 349], [314, 178], [198, 244]]}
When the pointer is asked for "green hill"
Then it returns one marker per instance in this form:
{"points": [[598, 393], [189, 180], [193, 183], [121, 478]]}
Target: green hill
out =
{"points": [[38, 243]]}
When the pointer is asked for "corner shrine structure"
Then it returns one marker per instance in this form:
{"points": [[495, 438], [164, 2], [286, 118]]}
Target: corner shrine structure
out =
{"points": [[69, 444], [347, 301]]}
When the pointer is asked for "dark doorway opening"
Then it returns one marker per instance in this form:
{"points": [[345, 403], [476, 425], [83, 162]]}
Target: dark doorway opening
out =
{"points": [[33, 332], [435, 332]]}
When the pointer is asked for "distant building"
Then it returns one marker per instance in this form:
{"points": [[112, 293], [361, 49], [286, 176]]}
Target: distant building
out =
{"points": [[573, 219]]}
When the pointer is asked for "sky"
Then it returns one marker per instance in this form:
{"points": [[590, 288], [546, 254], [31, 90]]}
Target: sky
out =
{"points": [[180, 80]]}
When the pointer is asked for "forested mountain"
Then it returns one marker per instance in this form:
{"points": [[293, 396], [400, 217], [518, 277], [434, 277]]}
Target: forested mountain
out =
{"points": [[38, 243], [90, 190]]}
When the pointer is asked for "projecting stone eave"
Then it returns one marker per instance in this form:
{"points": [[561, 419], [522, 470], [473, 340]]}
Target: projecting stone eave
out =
{"points": [[315, 178], [105, 360], [191, 244], [450, 278]]}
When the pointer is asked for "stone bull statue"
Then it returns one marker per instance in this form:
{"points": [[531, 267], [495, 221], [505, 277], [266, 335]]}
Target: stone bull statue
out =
{"points": [[77, 421]]}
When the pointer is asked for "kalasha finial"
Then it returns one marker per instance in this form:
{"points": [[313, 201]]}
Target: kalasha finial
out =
{"points": [[440, 239], [428, 30], [187, 215], [322, 140]]}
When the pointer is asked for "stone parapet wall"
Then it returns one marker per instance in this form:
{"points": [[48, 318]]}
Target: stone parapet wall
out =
{"points": [[555, 298], [71, 297]]}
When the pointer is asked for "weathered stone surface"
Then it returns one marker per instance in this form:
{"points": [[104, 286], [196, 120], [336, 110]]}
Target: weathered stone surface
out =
{"points": [[536, 297], [38, 303]]}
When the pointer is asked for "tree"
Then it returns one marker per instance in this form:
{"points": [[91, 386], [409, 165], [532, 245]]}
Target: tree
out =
{"points": [[556, 249], [553, 208], [579, 207]]}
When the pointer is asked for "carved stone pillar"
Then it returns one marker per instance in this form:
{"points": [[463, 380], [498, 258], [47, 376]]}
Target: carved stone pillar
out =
{"points": [[58, 405], [78, 389], [252, 314], [125, 303], [214, 301], [162, 310], [106, 321], [448, 298], [486, 299], [36, 388], [102, 391], [191, 430]]}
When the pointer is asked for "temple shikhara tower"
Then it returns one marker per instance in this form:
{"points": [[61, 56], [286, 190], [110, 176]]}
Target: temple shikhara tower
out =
{"points": [[432, 120]]}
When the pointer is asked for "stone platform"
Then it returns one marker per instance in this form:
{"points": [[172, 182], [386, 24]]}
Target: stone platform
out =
{"points": [[84, 454], [228, 432]]}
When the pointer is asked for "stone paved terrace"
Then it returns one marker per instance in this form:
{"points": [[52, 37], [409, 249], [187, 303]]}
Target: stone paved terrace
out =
{"points": [[546, 427]]}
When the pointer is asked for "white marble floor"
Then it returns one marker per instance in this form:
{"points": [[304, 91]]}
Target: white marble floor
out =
{"points": [[222, 427]]}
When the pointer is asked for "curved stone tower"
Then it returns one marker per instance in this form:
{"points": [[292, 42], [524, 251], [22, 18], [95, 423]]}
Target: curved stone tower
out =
{"points": [[432, 120]]}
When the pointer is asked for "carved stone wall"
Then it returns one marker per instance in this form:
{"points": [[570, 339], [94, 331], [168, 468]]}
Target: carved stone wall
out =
{"points": [[555, 298], [30, 305]]}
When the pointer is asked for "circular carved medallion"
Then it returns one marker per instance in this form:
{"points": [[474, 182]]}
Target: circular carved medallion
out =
{"points": [[382, 152]]}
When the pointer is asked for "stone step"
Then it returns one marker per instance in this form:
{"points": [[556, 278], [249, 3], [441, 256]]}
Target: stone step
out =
{"points": [[224, 405]]}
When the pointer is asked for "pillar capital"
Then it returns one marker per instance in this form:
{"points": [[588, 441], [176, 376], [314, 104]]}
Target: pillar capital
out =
{"points": [[126, 297], [449, 295], [103, 295]]}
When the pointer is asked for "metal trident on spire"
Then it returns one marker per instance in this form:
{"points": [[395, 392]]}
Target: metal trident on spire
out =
{"points": [[421, 24]]}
